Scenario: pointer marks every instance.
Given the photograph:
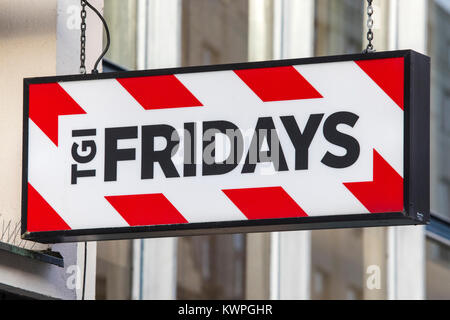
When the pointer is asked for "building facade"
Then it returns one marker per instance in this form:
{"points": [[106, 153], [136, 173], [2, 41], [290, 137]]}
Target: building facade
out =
{"points": [[410, 262]]}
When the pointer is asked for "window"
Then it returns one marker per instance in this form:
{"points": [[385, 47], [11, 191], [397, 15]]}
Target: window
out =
{"points": [[213, 267], [338, 254], [338, 26], [114, 258], [438, 269], [113, 270], [438, 39], [319, 283], [437, 247]]}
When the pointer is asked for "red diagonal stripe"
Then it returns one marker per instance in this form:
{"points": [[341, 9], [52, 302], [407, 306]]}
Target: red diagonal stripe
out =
{"points": [[278, 83], [265, 203], [41, 216], [159, 92], [47, 102], [146, 209], [388, 74], [384, 193]]}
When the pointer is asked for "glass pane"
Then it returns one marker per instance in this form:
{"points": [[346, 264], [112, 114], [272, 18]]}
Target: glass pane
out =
{"points": [[113, 280], [439, 51], [438, 253], [121, 18], [213, 267], [337, 266], [214, 31], [438, 270], [114, 261], [338, 26]]}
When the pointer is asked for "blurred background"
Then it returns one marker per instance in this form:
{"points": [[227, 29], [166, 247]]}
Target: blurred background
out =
{"points": [[411, 262], [42, 37]]}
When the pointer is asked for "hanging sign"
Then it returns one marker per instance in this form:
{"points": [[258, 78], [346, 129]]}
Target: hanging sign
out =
{"points": [[325, 142]]}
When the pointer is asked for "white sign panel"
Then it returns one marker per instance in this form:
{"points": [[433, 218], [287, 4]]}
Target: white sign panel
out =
{"points": [[281, 145]]}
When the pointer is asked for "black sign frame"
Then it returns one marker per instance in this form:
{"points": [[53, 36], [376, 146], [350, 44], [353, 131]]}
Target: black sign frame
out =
{"points": [[416, 160]]}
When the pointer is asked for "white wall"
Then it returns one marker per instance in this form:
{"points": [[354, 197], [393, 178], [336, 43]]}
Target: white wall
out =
{"points": [[36, 40]]}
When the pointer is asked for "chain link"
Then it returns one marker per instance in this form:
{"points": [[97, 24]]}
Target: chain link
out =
{"points": [[83, 38], [369, 47]]}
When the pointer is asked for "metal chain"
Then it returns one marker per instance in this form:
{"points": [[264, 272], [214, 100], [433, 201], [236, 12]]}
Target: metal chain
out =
{"points": [[369, 47], [83, 38], [84, 4]]}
